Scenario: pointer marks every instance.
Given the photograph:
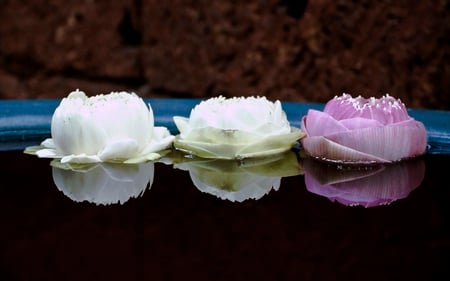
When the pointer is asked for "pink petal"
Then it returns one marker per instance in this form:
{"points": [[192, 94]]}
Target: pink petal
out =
{"points": [[359, 123], [340, 108], [391, 143], [325, 149], [317, 123]]}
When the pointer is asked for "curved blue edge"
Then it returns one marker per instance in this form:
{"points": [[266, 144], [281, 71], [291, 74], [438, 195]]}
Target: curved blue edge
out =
{"points": [[27, 122]]}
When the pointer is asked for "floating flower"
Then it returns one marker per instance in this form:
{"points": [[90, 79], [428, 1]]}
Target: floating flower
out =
{"points": [[238, 181], [103, 183], [359, 130], [235, 128], [117, 127], [366, 186]]}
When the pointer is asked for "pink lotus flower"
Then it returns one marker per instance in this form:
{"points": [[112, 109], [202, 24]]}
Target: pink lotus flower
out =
{"points": [[366, 186], [360, 130]]}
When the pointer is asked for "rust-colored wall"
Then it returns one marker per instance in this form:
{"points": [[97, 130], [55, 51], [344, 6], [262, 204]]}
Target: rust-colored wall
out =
{"points": [[289, 50]]}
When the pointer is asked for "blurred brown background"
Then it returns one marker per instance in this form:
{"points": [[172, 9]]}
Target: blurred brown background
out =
{"points": [[288, 50]]}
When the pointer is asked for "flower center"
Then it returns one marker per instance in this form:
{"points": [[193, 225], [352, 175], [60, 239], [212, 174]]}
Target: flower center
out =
{"points": [[386, 109], [385, 103]]}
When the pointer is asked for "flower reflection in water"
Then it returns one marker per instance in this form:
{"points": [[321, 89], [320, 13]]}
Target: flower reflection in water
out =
{"points": [[367, 186], [103, 183], [238, 181]]}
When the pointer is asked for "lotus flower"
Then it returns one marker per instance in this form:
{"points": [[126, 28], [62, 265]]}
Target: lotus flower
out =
{"points": [[238, 181], [103, 183], [359, 130], [367, 186], [235, 128], [117, 127]]}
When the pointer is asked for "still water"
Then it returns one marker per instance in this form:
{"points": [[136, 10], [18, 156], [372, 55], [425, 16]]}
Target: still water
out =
{"points": [[279, 219]]}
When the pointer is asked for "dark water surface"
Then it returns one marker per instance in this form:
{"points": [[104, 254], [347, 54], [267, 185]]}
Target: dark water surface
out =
{"points": [[174, 231]]}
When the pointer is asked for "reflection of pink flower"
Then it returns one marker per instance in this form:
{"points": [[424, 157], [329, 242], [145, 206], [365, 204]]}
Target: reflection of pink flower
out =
{"points": [[367, 186], [363, 130]]}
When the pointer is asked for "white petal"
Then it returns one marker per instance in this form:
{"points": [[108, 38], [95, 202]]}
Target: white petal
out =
{"points": [[215, 143], [182, 124], [119, 149], [80, 158], [48, 143], [143, 158], [48, 153]]}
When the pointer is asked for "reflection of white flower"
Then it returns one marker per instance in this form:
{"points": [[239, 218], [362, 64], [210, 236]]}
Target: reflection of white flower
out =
{"points": [[117, 127], [235, 128], [238, 181], [103, 183]]}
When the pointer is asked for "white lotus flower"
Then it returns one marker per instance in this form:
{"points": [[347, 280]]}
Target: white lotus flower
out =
{"points": [[235, 128], [117, 127]]}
